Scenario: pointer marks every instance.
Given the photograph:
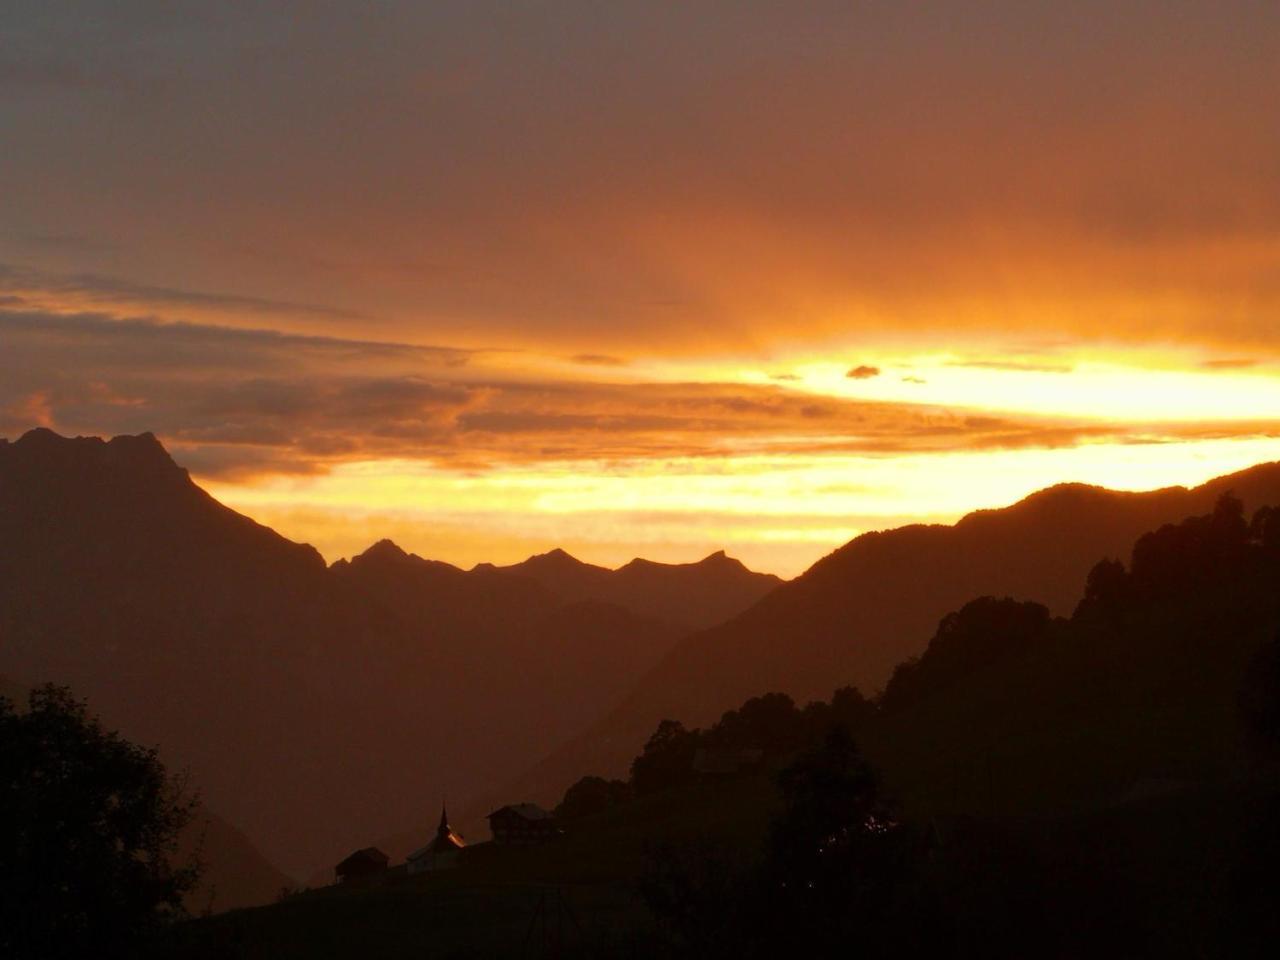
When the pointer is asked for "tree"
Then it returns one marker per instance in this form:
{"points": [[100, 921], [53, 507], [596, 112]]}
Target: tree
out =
{"points": [[770, 723], [591, 795], [667, 758], [88, 829], [1259, 694], [840, 874], [1105, 591], [980, 634]]}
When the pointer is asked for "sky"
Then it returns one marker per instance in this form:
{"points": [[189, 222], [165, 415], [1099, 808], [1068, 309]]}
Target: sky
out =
{"points": [[643, 278]]}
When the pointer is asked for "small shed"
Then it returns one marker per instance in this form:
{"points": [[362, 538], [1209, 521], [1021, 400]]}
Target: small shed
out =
{"points": [[522, 823], [443, 850], [361, 865]]}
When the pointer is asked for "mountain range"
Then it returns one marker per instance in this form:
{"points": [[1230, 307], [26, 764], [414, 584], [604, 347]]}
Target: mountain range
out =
{"points": [[321, 707], [874, 603], [314, 705]]}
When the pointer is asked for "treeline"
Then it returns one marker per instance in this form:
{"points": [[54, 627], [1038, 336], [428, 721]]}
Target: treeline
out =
{"points": [[1107, 783], [1174, 615], [771, 725]]}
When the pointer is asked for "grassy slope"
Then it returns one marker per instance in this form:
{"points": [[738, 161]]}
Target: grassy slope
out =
{"points": [[486, 905]]}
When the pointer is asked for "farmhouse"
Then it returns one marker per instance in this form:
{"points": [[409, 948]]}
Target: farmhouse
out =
{"points": [[361, 865], [522, 823]]}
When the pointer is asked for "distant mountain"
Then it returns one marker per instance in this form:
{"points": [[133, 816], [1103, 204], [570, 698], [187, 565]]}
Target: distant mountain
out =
{"points": [[315, 706], [235, 873], [694, 595], [551, 663], [875, 602]]}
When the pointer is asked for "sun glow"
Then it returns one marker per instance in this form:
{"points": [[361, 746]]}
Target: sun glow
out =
{"points": [[778, 513]]}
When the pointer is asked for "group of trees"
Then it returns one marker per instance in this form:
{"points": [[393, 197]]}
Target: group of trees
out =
{"points": [[88, 831], [839, 873], [771, 724], [1165, 660]]}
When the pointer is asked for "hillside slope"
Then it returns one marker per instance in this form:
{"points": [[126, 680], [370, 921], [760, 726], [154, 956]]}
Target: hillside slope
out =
{"points": [[316, 707], [875, 602]]}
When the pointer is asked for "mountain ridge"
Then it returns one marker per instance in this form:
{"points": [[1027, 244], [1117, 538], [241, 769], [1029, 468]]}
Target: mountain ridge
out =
{"points": [[315, 705], [874, 602]]}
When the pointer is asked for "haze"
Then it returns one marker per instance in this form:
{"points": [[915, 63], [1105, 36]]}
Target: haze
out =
{"points": [[644, 279]]}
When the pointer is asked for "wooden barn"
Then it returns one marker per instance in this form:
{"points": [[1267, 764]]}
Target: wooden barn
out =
{"points": [[522, 823], [361, 865]]}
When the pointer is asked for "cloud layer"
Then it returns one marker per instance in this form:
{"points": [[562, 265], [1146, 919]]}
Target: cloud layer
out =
{"points": [[240, 402], [625, 177]]}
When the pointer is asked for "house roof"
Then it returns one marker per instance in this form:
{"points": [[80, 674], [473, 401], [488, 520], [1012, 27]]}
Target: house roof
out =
{"points": [[367, 855], [525, 811]]}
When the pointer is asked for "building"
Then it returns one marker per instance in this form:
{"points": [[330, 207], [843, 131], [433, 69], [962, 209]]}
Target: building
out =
{"points": [[361, 865], [522, 823], [442, 852]]}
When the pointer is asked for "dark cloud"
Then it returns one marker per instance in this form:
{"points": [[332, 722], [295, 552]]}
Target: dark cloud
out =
{"points": [[147, 346], [1229, 364], [862, 372], [598, 360], [1014, 365], [239, 402], [92, 289]]}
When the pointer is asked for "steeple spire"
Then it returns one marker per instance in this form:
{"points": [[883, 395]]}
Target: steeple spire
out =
{"points": [[444, 819]]}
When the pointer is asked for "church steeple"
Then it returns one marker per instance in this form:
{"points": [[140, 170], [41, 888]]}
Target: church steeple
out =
{"points": [[443, 849], [444, 829]]}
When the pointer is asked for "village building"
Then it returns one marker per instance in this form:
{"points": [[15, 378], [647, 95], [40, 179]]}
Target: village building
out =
{"points": [[442, 852], [361, 865], [522, 823]]}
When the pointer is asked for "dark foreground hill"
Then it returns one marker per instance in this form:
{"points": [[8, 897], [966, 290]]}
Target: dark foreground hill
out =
{"points": [[873, 603], [1105, 784], [315, 707]]}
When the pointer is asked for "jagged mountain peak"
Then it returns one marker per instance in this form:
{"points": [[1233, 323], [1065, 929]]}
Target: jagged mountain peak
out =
{"points": [[385, 549], [49, 448], [558, 556]]}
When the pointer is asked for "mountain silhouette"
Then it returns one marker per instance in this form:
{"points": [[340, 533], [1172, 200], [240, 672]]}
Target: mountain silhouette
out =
{"points": [[694, 595], [315, 706], [875, 602]]}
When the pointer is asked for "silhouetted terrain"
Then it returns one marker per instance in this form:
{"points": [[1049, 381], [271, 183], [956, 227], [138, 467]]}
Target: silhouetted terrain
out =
{"points": [[693, 595], [1105, 784], [315, 707], [873, 603], [233, 873]]}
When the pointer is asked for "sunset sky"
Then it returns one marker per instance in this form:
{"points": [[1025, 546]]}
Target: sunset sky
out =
{"points": [[644, 278]]}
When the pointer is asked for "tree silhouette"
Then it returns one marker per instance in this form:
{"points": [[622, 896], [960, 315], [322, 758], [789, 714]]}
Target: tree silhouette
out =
{"points": [[667, 759], [840, 874], [591, 795], [88, 827], [770, 723]]}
